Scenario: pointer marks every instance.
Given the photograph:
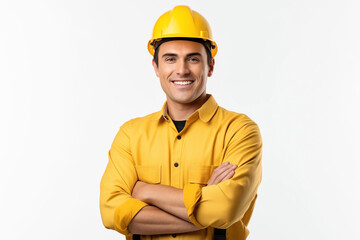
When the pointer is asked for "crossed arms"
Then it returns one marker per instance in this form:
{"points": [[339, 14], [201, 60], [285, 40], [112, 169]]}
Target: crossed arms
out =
{"points": [[130, 206], [168, 213]]}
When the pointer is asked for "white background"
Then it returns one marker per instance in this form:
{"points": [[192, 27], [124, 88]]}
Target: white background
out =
{"points": [[71, 72]]}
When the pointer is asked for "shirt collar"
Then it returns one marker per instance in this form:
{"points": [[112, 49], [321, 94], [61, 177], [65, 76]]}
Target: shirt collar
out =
{"points": [[206, 111]]}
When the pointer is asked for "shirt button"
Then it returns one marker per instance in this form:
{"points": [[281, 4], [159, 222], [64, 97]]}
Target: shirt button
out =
{"points": [[178, 137], [173, 235], [176, 164]]}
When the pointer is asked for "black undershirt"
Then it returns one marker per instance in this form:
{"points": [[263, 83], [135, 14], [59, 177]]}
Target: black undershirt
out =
{"points": [[179, 125]]}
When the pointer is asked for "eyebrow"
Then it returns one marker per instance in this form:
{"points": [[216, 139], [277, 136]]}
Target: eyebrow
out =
{"points": [[175, 55], [169, 55]]}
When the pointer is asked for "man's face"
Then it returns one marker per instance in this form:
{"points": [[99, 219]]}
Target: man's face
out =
{"points": [[183, 71]]}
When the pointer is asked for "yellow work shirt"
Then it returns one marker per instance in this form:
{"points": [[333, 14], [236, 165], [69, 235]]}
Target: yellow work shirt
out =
{"points": [[150, 149]]}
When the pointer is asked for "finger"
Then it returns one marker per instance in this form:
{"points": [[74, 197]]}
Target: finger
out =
{"points": [[223, 167], [218, 171], [216, 177], [229, 175], [225, 175]]}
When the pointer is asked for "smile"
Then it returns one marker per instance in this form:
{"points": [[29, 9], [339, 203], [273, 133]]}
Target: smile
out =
{"points": [[182, 83]]}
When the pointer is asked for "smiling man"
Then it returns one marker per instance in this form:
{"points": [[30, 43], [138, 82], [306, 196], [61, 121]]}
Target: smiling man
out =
{"points": [[191, 170]]}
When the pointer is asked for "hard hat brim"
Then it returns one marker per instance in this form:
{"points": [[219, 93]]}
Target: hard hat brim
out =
{"points": [[151, 49]]}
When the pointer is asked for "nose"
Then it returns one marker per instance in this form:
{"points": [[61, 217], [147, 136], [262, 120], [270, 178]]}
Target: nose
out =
{"points": [[182, 68]]}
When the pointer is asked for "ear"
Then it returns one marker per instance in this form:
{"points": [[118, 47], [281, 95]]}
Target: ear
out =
{"points": [[211, 67], [156, 68]]}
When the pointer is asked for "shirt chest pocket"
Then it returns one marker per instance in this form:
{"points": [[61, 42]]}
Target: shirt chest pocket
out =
{"points": [[149, 173], [200, 174]]}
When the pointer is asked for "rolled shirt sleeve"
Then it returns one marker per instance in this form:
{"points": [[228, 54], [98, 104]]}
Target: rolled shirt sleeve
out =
{"points": [[226, 203], [117, 206]]}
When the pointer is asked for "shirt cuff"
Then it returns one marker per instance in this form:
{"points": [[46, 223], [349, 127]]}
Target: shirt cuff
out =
{"points": [[125, 213], [192, 194]]}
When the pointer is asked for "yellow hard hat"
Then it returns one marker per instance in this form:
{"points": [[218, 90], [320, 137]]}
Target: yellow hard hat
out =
{"points": [[182, 22]]}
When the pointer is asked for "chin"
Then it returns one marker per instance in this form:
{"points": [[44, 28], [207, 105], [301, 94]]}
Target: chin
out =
{"points": [[183, 100]]}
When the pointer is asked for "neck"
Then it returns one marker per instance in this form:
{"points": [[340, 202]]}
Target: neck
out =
{"points": [[181, 111]]}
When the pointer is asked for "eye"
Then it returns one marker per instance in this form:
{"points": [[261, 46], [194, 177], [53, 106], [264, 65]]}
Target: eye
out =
{"points": [[170, 59], [193, 60]]}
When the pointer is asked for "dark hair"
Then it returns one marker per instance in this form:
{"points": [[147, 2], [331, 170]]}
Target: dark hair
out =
{"points": [[206, 43]]}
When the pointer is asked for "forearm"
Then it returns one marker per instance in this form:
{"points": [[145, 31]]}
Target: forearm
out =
{"points": [[171, 199], [167, 198], [153, 221]]}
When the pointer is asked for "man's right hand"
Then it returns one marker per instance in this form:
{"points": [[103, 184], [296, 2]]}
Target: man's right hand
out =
{"points": [[223, 172]]}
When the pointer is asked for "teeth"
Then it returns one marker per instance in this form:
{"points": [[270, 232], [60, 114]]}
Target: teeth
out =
{"points": [[183, 82]]}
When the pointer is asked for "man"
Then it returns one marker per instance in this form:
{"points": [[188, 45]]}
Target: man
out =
{"points": [[191, 170]]}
